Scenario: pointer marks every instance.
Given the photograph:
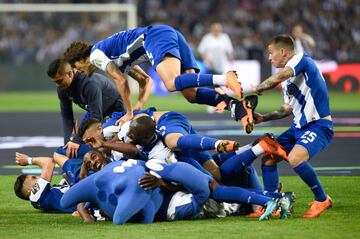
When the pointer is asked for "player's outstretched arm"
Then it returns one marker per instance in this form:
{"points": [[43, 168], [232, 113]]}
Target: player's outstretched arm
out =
{"points": [[274, 80], [122, 86], [45, 163], [145, 84], [284, 111]]}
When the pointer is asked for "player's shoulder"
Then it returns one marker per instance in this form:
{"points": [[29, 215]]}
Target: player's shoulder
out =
{"points": [[39, 189], [298, 59]]}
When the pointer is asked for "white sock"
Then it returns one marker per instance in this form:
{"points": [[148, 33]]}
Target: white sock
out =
{"points": [[243, 148], [257, 150], [219, 79]]}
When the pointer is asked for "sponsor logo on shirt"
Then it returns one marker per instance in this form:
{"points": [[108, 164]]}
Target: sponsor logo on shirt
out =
{"points": [[35, 188]]}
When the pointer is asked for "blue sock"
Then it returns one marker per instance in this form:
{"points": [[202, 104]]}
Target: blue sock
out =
{"points": [[236, 163], [270, 177], [198, 142], [254, 181], [189, 80], [308, 175], [207, 96], [238, 195]]}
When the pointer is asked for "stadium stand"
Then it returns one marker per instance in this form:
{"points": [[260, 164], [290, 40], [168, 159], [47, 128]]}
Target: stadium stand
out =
{"points": [[250, 23]]}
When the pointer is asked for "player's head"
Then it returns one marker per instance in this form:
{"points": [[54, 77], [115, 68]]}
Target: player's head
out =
{"points": [[61, 73], [281, 49], [90, 128], [142, 130], [78, 55], [216, 28], [95, 160], [24, 184]]}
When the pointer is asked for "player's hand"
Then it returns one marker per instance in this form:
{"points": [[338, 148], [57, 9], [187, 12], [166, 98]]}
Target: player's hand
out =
{"points": [[21, 159], [149, 182], [253, 90], [71, 149], [94, 142], [124, 119], [258, 118]]}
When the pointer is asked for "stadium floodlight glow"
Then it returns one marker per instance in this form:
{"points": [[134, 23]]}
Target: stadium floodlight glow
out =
{"points": [[128, 8]]}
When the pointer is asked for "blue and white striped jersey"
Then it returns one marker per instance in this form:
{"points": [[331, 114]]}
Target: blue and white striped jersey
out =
{"points": [[125, 49], [47, 198], [306, 92]]}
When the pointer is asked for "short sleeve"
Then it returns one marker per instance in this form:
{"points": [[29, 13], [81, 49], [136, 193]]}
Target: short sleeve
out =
{"points": [[39, 190], [297, 63], [99, 59]]}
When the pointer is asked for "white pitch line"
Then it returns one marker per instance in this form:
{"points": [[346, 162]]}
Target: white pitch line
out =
{"points": [[11, 142]]}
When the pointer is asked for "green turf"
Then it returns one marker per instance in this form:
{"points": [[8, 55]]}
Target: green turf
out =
{"points": [[48, 102], [19, 220]]}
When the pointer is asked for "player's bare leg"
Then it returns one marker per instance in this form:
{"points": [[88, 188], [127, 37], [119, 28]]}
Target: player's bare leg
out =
{"points": [[168, 69]]}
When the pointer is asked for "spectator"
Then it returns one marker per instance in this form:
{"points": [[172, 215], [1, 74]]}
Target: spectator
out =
{"points": [[303, 41], [34, 32], [216, 50]]}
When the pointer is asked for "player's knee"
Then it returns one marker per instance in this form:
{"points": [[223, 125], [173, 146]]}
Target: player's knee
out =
{"points": [[295, 160], [297, 156], [170, 86]]}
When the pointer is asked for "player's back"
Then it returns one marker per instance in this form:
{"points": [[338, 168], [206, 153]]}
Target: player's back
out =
{"points": [[117, 44]]}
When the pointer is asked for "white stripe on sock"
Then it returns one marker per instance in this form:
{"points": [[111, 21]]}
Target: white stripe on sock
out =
{"points": [[257, 150], [219, 79]]}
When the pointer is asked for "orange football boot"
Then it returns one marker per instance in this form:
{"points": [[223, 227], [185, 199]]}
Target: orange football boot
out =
{"points": [[318, 207], [233, 84], [270, 146]]}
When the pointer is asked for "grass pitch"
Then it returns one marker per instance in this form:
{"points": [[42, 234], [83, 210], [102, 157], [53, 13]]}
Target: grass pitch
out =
{"points": [[48, 102], [19, 220]]}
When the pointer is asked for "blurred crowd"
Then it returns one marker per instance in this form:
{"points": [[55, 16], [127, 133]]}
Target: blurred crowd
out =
{"points": [[40, 37], [333, 24]]}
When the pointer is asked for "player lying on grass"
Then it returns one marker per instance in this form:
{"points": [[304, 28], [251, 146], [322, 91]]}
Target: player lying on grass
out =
{"points": [[153, 146], [95, 160], [38, 189], [132, 202], [48, 198]]}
